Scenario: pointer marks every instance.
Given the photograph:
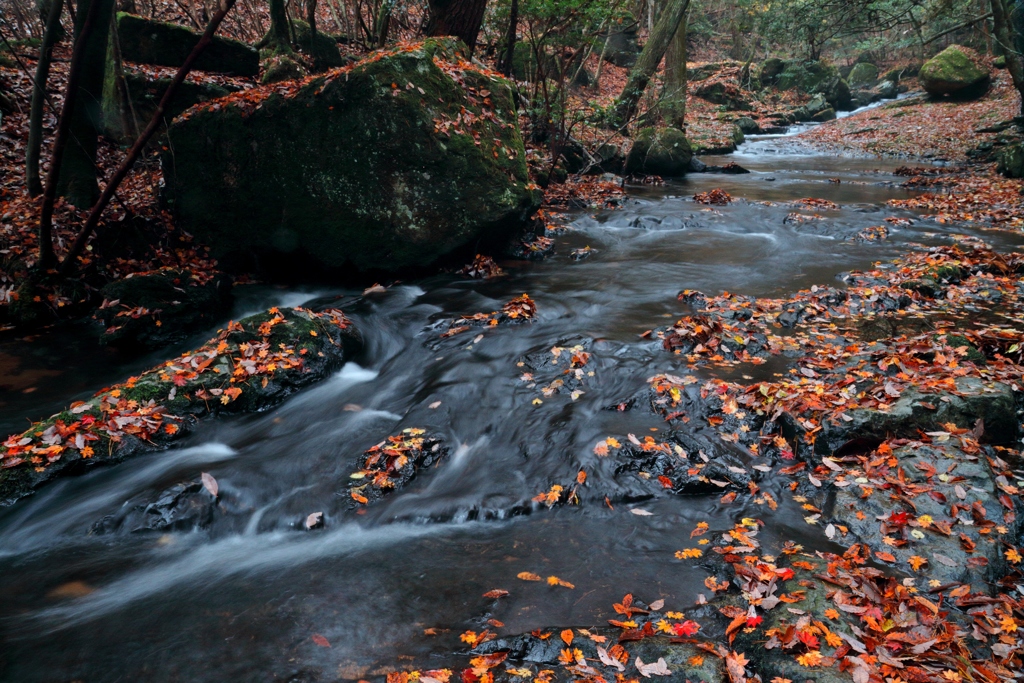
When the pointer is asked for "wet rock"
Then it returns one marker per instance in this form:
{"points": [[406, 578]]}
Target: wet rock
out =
{"points": [[163, 44], [748, 125], [542, 653], [252, 365], [346, 171], [956, 71], [682, 464], [824, 115], [522, 309], [183, 507], [565, 368], [914, 411], [393, 463], [953, 491], [659, 151], [161, 308], [886, 90]]}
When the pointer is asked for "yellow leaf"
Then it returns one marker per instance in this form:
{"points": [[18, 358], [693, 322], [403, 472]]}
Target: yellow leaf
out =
{"points": [[812, 658], [528, 576]]}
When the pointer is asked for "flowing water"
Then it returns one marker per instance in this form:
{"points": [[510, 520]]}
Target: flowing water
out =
{"points": [[241, 598]]}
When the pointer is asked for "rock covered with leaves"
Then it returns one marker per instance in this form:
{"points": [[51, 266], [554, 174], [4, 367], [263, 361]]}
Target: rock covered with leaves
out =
{"points": [[251, 365], [389, 163]]}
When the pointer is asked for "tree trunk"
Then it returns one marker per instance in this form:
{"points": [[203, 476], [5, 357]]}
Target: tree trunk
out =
{"points": [[35, 116], [459, 18], [311, 17], [68, 264], [383, 23], [673, 98], [77, 180], [510, 39], [1004, 32], [60, 138], [277, 38], [647, 64]]}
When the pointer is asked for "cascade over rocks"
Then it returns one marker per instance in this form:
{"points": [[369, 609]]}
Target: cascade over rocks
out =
{"points": [[390, 163], [956, 71]]}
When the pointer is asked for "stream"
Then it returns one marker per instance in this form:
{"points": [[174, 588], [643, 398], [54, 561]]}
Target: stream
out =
{"points": [[241, 598]]}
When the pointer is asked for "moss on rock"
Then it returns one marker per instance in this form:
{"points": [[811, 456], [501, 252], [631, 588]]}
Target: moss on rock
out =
{"points": [[154, 42], [659, 151], [390, 163], [954, 71], [862, 74], [251, 365]]}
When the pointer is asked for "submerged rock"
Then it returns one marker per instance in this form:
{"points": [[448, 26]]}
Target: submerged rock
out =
{"points": [[163, 44], [955, 71], [391, 163], [251, 365], [183, 507]]}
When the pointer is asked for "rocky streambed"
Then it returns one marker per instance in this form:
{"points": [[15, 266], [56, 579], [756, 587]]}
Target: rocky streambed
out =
{"points": [[774, 434]]}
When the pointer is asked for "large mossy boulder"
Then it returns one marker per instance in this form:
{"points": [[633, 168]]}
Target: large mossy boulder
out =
{"points": [[771, 69], [814, 77], [392, 163], [154, 42], [621, 46], [659, 151], [956, 71], [862, 74], [321, 49], [725, 94]]}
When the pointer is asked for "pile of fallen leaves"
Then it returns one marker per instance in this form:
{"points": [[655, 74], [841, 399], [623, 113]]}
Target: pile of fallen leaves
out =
{"points": [[982, 198], [482, 268], [716, 197], [518, 310], [922, 128], [393, 462]]}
